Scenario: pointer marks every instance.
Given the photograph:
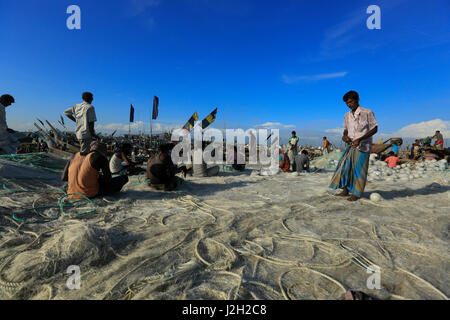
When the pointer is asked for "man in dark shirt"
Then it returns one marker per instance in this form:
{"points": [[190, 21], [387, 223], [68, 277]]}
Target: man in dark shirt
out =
{"points": [[302, 161], [161, 170]]}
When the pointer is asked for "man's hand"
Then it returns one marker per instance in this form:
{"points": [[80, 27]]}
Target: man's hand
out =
{"points": [[346, 139], [356, 142]]}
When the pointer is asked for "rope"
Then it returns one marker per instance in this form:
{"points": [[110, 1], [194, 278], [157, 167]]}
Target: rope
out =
{"points": [[61, 205]]}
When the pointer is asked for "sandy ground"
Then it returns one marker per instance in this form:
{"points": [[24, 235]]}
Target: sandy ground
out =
{"points": [[235, 236]]}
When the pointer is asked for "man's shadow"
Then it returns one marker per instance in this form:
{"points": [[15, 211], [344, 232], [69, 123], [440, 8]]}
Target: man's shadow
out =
{"points": [[424, 191]]}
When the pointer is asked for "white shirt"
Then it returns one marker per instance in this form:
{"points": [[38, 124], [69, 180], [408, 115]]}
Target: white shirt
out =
{"points": [[115, 164], [358, 125], [84, 113]]}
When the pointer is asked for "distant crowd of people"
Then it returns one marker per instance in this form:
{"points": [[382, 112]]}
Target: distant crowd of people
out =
{"points": [[89, 173]]}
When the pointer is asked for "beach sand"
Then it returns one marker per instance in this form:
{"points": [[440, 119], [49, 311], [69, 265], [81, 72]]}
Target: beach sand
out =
{"points": [[235, 236]]}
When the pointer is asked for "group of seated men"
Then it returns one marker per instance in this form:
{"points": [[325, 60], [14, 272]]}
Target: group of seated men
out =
{"points": [[89, 174], [301, 162]]}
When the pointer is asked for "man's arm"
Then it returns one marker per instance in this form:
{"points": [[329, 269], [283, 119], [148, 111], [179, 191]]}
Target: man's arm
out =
{"points": [[91, 118], [65, 174], [370, 133], [92, 130], [345, 136], [69, 114]]}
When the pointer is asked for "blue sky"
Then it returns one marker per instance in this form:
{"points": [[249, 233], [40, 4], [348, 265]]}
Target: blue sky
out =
{"points": [[285, 63]]}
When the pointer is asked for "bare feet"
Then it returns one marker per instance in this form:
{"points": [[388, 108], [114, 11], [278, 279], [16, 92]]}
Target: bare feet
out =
{"points": [[353, 198], [344, 193]]}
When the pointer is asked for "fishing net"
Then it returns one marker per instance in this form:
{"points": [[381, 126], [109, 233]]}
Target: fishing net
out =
{"points": [[37, 160], [327, 161]]}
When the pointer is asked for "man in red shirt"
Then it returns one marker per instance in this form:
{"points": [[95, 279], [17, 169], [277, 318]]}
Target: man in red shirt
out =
{"points": [[392, 160]]}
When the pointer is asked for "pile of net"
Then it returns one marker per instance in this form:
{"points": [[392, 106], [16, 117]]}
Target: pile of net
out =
{"points": [[328, 161], [41, 161], [379, 170]]}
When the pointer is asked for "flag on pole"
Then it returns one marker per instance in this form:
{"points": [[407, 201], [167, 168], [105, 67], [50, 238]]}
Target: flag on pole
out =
{"points": [[131, 113], [41, 122], [209, 119], [190, 124], [62, 120], [155, 107]]}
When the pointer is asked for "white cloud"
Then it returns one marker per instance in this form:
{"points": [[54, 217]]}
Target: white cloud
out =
{"points": [[136, 126], [424, 129], [275, 125], [335, 130], [311, 78], [269, 124]]}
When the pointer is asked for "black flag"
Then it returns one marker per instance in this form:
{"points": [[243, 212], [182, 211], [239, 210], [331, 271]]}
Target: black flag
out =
{"points": [[155, 107], [131, 114], [209, 119]]}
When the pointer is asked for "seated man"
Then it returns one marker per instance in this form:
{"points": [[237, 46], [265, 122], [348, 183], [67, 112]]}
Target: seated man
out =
{"points": [[392, 160], [120, 161], [415, 150], [235, 165], [202, 170], [302, 161], [82, 173], [439, 138], [285, 163], [161, 170]]}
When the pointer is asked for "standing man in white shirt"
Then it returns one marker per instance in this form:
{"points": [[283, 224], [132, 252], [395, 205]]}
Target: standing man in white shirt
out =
{"points": [[359, 127], [83, 114]]}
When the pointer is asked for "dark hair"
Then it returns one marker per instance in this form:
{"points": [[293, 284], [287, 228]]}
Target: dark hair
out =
{"points": [[294, 132], [351, 95], [7, 98], [438, 131], [324, 137], [166, 147], [305, 152], [391, 153], [126, 146], [87, 96]]}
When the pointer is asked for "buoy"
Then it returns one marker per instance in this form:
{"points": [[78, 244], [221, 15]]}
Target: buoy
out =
{"points": [[375, 197]]}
